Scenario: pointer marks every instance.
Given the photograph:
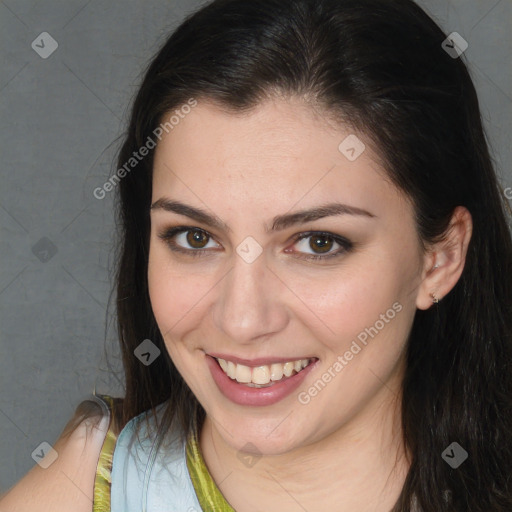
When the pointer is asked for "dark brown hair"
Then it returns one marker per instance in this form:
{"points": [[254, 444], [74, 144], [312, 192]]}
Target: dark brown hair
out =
{"points": [[378, 65]]}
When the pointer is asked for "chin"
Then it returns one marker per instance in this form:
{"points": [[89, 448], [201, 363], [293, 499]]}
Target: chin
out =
{"points": [[264, 436]]}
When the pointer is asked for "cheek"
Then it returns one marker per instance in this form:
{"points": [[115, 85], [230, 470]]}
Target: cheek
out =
{"points": [[368, 295], [178, 294], [174, 297], [346, 299], [171, 292]]}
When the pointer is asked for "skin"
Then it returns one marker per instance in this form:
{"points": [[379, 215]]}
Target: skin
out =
{"points": [[343, 448]]}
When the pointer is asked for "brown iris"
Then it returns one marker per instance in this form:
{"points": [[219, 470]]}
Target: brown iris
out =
{"points": [[321, 242], [196, 238]]}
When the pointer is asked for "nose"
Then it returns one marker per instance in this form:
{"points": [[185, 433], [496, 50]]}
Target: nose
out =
{"points": [[250, 302]]}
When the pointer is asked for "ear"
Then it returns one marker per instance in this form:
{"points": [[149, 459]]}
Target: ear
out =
{"points": [[444, 261]]}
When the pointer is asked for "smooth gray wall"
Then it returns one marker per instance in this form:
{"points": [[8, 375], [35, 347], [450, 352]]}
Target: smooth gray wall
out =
{"points": [[60, 119]]}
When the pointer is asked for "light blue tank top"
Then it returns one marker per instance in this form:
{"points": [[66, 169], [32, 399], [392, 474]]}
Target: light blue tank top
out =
{"points": [[144, 480], [140, 486]]}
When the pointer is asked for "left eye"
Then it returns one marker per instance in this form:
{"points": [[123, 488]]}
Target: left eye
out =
{"points": [[320, 243]]}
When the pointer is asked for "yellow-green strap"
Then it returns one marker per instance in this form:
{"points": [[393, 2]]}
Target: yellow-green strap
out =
{"points": [[103, 480], [207, 492]]}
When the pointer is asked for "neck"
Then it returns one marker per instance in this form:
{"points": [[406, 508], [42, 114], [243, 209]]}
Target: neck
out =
{"points": [[361, 466]]}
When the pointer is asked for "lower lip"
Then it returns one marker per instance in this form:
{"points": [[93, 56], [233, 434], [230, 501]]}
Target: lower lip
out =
{"points": [[244, 395]]}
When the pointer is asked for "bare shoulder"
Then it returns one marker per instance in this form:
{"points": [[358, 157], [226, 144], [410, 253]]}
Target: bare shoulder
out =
{"points": [[68, 482]]}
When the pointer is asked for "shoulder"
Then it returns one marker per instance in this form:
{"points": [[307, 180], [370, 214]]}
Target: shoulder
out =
{"points": [[136, 445], [149, 466], [67, 483]]}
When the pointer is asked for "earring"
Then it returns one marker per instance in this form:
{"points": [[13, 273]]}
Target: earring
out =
{"points": [[435, 266], [435, 300]]}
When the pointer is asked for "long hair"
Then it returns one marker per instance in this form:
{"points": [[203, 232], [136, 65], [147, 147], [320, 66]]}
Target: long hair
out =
{"points": [[380, 66]]}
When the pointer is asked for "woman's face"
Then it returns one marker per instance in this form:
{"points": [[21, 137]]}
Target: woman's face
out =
{"points": [[240, 291]]}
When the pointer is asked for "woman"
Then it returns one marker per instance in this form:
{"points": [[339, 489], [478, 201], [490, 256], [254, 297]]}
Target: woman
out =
{"points": [[314, 291]]}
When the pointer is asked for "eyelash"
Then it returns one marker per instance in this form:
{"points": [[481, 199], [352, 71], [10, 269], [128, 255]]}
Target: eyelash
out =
{"points": [[168, 235]]}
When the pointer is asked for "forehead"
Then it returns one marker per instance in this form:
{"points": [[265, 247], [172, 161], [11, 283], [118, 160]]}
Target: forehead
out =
{"points": [[282, 150]]}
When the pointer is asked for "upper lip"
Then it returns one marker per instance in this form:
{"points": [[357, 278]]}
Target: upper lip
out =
{"points": [[258, 361]]}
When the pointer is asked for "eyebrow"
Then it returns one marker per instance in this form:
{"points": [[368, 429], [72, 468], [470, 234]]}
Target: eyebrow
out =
{"points": [[279, 222]]}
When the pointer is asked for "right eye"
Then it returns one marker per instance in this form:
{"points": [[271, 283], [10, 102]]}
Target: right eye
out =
{"points": [[179, 237]]}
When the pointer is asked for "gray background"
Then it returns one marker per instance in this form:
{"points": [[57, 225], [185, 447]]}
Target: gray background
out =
{"points": [[61, 118]]}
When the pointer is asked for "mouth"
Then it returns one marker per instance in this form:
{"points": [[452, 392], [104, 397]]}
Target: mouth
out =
{"points": [[264, 375]]}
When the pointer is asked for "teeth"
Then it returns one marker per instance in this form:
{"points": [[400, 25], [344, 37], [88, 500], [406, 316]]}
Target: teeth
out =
{"points": [[243, 373], [260, 376], [223, 365], [276, 371], [231, 370], [288, 369]]}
